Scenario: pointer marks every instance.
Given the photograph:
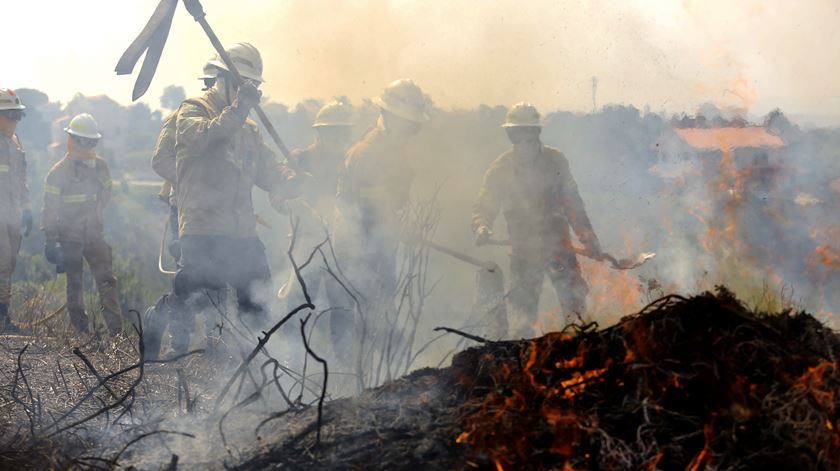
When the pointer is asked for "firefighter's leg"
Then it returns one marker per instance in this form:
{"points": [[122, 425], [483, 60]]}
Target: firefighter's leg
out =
{"points": [[9, 247], [155, 321], [98, 254], [341, 321], [526, 277], [571, 288], [249, 274], [197, 271], [73, 264]]}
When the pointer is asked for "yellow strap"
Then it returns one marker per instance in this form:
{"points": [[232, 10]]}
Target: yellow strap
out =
{"points": [[52, 190], [4, 168], [78, 198]]}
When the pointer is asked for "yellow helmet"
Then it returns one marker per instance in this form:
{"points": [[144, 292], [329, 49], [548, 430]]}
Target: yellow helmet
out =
{"points": [[405, 99], [522, 114], [83, 125], [334, 113], [9, 100], [246, 58]]}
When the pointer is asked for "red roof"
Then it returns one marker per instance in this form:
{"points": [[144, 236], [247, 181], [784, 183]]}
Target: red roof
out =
{"points": [[728, 138]]}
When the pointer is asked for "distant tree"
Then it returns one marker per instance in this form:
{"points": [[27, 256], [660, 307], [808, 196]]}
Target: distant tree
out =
{"points": [[172, 97], [35, 129]]}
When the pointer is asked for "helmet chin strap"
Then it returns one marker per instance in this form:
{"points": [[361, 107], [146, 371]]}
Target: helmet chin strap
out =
{"points": [[227, 88]]}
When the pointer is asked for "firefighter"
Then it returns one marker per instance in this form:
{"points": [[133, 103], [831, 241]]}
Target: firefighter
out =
{"points": [[76, 192], [373, 189], [163, 163], [322, 162], [15, 215], [533, 187], [220, 156]]}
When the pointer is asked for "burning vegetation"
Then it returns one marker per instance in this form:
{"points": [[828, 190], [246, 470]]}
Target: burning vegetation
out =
{"points": [[698, 383], [687, 383]]}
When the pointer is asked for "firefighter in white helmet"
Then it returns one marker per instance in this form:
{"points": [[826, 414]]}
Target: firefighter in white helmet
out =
{"points": [[372, 191], [15, 214], [532, 185], [220, 157], [76, 192]]}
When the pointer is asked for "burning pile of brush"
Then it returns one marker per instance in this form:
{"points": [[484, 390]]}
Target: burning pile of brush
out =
{"points": [[686, 384]]}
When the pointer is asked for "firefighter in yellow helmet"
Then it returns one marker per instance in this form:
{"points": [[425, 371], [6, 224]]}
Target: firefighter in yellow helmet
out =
{"points": [[220, 157], [372, 190], [76, 192], [532, 185], [15, 214], [324, 159], [323, 162]]}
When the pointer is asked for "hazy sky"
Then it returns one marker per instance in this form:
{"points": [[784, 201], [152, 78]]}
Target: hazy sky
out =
{"points": [[669, 54]]}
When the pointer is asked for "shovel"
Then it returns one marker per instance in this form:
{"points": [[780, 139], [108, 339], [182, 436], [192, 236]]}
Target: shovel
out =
{"points": [[622, 264]]}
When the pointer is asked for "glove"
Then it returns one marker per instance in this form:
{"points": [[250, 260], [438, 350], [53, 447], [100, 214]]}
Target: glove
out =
{"points": [[483, 235], [279, 203], [175, 249], [247, 97], [51, 251], [26, 222]]}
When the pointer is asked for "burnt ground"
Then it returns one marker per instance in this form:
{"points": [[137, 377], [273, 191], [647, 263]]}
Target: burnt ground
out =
{"points": [[688, 383]]}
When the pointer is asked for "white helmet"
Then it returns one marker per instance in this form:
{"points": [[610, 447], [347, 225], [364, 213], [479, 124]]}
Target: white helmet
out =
{"points": [[246, 58], [405, 99], [9, 100], [334, 113], [210, 71], [83, 125], [522, 114]]}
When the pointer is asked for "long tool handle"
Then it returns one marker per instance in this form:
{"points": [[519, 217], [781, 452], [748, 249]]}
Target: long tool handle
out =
{"points": [[577, 250], [197, 11], [487, 265]]}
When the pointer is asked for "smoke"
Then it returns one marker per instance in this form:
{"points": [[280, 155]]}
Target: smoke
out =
{"points": [[668, 55]]}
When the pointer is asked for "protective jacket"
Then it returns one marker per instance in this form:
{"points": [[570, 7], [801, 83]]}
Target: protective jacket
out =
{"points": [[14, 193], [218, 161], [539, 199], [75, 194]]}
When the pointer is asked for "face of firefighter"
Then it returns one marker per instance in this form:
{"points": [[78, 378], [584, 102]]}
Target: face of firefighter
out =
{"points": [[400, 127], [81, 146], [9, 120], [226, 86], [334, 139], [525, 140]]}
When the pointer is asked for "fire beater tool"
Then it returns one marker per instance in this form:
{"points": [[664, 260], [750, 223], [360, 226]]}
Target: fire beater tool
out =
{"points": [[151, 41]]}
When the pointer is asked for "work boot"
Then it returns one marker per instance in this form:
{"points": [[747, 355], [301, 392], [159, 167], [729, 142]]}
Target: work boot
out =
{"points": [[114, 322], [79, 320], [155, 321], [6, 325]]}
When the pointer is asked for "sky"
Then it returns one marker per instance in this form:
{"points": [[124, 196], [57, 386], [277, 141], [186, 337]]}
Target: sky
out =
{"points": [[669, 55]]}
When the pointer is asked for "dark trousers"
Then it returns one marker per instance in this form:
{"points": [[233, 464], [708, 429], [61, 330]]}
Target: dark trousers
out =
{"points": [[209, 263]]}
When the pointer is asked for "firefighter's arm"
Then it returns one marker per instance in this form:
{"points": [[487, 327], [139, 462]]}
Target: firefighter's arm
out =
{"points": [[279, 180], [163, 159], [198, 131], [21, 180], [575, 210], [49, 211], [107, 185], [487, 206]]}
